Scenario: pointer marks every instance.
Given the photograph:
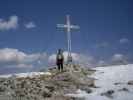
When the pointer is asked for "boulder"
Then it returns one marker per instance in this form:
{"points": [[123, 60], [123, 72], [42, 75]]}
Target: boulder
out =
{"points": [[108, 93], [130, 82], [124, 89]]}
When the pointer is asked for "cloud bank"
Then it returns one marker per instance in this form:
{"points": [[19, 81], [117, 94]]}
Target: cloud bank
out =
{"points": [[119, 59], [77, 58], [14, 58]]}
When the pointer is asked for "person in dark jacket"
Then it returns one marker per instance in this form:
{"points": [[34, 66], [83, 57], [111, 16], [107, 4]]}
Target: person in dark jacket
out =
{"points": [[60, 60]]}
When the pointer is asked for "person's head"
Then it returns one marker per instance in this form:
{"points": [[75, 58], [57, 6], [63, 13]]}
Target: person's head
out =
{"points": [[59, 51]]}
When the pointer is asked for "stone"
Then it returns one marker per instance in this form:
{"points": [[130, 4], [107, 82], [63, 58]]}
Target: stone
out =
{"points": [[108, 94], [124, 89], [50, 88], [130, 82], [46, 94], [2, 89], [86, 89]]}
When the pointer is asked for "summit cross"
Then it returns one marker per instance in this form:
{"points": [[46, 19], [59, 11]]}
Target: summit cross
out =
{"points": [[68, 28]]}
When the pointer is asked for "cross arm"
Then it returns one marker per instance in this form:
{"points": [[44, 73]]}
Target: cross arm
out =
{"points": [[75, 27], [61, 26]]}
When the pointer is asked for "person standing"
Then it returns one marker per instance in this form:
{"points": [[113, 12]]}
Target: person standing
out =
{"points": [[60, 60]]}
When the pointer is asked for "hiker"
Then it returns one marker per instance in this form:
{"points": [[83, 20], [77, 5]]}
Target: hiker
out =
{"points": [[60, 60]]}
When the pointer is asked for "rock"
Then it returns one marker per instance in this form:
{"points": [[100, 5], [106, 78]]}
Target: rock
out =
{"points": [[46, 94], [2, 89], [124, 89], [108, 94], [118, 83], [86, 89], [62, 77], [60, 97], [130, 82], [50, 88]]}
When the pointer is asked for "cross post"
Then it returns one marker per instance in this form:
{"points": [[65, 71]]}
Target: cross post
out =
{"points": [[68, 27]]}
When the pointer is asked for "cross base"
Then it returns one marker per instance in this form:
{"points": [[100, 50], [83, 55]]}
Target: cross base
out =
{"points": [[69, 59]]}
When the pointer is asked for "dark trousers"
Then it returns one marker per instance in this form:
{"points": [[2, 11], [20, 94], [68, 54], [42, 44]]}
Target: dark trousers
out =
{"points": [[60, 66]]}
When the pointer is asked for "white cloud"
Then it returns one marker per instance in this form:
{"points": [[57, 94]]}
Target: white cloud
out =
{"points": [[9, 55], [14, 57], [52, 59], [30, 25], [116, 59], [124, 40], [12, 23], [119, 59], [77, 58], [102, 63]]}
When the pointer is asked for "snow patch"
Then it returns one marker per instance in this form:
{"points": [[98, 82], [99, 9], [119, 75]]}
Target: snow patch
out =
{"points": [[110, 78], [29, 74]]}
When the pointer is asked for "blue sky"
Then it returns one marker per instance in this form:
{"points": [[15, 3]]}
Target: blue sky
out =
{"points": [[29, 26]]}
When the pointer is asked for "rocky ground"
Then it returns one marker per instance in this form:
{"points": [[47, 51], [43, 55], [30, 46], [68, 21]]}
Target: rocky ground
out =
{"points": [[48, 87]]}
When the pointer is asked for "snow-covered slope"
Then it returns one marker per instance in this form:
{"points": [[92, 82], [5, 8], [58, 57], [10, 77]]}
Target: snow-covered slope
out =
{"points": [[113, 78], [29, 74]]}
